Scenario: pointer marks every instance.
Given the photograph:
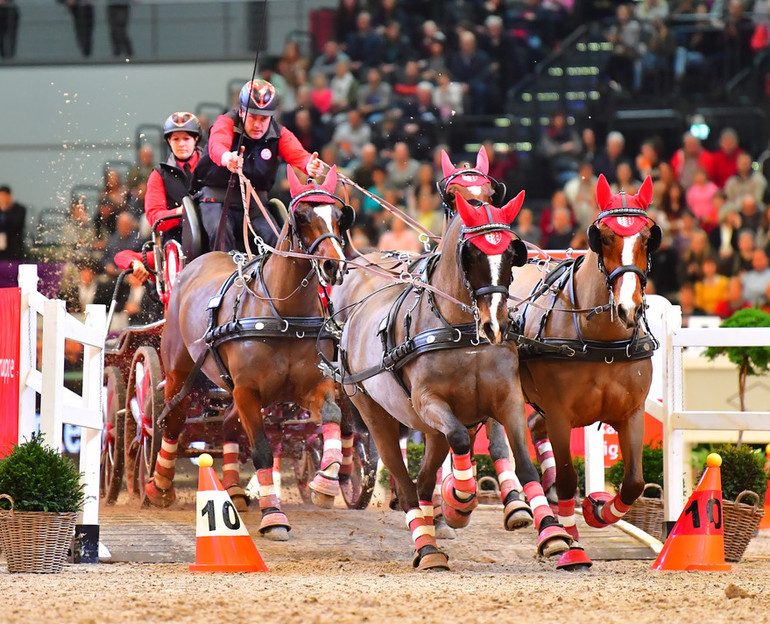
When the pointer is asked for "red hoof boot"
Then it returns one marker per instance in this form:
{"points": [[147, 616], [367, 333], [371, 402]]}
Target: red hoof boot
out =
{"points": [[455, 518], [553, 540], [158, 496], [574, 559], [325, 485], [430, 558], [275, 526], [450, 499], [238, 496], [517, 515], [592, 509]]}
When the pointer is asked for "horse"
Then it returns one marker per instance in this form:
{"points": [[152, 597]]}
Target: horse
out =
{"points": [[255, 330], [441, 365], [585, 353]]}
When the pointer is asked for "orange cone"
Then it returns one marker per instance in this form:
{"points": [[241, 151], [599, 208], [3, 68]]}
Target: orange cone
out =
{"points": [[697, 541], [223, 543], [765, 522]]}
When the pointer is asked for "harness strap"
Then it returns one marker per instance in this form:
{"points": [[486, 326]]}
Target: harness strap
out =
{"points": [[185, 389]]}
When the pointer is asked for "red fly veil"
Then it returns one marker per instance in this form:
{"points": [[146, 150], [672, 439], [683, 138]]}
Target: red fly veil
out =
{"points": [[632, 217], [466, 179], [296, 188], [496, 241]]}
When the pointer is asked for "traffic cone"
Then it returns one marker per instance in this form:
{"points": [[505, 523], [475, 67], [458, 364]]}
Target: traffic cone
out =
{"points": [[223, 543], [765, 522], [697, 541]]}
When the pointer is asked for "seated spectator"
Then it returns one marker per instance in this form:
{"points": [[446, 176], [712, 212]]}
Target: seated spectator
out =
{"points": [[326, 63], [126, 236], [311, 136], [607, 160], [558, 200], [374, 97], [79, 285], [292, 66], [430, 34], [666, 178], [448, 97], [625, 180], [664, 269], [687, 303], [396, 49], [725, 158], [711, 288], [345, 18], [625, 35], [700, 199], [750, 213], [436, 63], [741, 259], [562, 232], [350, 137], [363, 174], [589, 149], [560, 147], [111, 203], [674, 206], [423, 202], [405, 82], [693, 258], [745, 181], [734, 300], [756, 279], [581, 194], [364, 46], [648, 160], [401, 170], [525, 227], [509, 57], [371, 215], [321, 96], [471, 68], [78, 237], [389, 12], [688, 158], [399, 237], [344, 87], [139, 173], [13, 216], [764, 303], [421, 122]]}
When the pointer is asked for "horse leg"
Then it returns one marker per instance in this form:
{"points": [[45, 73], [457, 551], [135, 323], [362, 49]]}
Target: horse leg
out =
{"points": [[385, 431], [403, 439], [552, 538], [537, 430], [275, 525], [565, 486], [325, 486], [436, 448], [160, 488], [231, 429], [600, 508], [347, 439], [517, 513]]}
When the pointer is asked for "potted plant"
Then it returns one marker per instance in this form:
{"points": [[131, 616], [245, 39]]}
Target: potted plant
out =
{"points": [[40, 495], [752, 360]]}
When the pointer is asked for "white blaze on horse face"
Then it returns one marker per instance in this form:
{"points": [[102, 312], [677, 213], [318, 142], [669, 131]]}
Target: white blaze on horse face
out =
{"points": [[629, 280], [495, 273], [324, 211]]}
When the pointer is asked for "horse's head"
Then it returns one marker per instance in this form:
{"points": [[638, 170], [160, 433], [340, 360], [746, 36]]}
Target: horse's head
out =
{"points": [[470, 183], [319, 218], [487, 252], [624, 237]]}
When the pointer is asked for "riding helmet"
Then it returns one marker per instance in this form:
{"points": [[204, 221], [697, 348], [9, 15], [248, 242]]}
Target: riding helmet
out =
{"points": [[258, 97], [182, 122]]}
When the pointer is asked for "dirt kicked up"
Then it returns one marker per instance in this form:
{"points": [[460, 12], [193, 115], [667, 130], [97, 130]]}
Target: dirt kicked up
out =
{"points": [[342, 566]]}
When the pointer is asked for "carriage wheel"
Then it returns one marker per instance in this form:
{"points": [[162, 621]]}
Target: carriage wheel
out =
{"points": [[144, 403], [111, 478], [358, 492], [305, 468]]}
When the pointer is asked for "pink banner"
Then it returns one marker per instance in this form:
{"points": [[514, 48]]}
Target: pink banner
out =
{"points": [[10, 320]]}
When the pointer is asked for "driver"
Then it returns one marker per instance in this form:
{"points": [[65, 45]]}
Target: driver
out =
{"points": [[263, 141]]}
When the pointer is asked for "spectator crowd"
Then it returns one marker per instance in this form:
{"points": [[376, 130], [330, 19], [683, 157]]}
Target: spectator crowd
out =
{"points": [[377, 100]]}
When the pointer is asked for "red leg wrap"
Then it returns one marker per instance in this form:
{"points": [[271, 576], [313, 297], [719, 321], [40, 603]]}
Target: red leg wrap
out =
{"points": [[506, 477], [165, 463], [422, 534], [332, 446], [462, 472], [567, 517], [614, 510], [537, 501], [230, 475], [347, 455], [547, 463], [267, 494]]}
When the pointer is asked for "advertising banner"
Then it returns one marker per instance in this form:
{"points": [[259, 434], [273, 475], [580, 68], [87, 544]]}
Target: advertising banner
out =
{"points": [[10, 320]]}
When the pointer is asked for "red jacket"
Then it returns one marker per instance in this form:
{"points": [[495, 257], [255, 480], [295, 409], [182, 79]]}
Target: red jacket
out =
{"points": [[724, 165], [156, 198], [705, 160]]}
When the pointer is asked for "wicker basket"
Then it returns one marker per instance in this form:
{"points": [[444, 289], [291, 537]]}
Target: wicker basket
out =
{"points": [[741, 524], [488, 497], [647, 513], [35, 541]]}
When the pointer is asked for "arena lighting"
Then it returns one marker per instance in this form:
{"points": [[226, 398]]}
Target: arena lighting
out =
{"points": [[699, 128]]}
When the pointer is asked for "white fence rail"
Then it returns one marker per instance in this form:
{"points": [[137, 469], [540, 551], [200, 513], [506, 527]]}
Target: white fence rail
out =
{"points": [[59, 405]]}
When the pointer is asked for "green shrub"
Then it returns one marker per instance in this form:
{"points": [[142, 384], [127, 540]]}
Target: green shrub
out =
{"points": [[652, 469], [39, 478], [742, 469]]}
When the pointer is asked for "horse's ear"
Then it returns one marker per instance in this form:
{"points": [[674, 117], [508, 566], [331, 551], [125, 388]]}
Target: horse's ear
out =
{"points": [[446, 165], [330, 183], [511, 209], [295, 187], [482, 161], [465, 210], [603, 192], [644, 196]]}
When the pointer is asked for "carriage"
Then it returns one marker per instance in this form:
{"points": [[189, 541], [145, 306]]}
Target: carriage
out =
{"points": [[134, 380]]}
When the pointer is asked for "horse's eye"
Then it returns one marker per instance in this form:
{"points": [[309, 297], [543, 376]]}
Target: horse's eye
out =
{"points": [[301, 217], [606, 241]]}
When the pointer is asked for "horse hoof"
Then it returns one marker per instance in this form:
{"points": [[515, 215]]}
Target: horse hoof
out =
{"points": [[455, 518], [518, 519], [319, 499], [430, 558], [443, 530], [592, 508], [325, 485], [239, 497], [574, 559], [276, 534], [157, 496], [553, 540]]}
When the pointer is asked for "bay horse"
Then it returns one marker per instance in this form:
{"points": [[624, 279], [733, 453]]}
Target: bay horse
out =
{"points": [[254, 330], [585, 353], [441, 365]]}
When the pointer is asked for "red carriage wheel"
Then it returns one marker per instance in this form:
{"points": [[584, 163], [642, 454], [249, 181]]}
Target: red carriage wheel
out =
{"points": [[144, 403], [358, 491], [306, 466], [111, 478]]}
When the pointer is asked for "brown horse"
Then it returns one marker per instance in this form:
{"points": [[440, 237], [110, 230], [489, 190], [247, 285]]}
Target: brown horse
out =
{"points": [[442, 366], [590, 357], [251, 338]]}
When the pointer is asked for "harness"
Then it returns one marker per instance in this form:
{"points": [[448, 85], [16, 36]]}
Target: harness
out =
{"points": [[639, 346]]}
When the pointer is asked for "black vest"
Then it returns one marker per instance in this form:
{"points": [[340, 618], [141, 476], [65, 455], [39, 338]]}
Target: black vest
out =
{"points": [[260, 161], [174, 182]]}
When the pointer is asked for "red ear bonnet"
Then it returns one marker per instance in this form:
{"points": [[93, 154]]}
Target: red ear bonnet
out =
{"points": [[495, 242], [466, 179], [629, 224], [326, 189]]}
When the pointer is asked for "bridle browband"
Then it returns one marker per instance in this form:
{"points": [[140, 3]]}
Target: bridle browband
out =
{"points": [[499, 188]]}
